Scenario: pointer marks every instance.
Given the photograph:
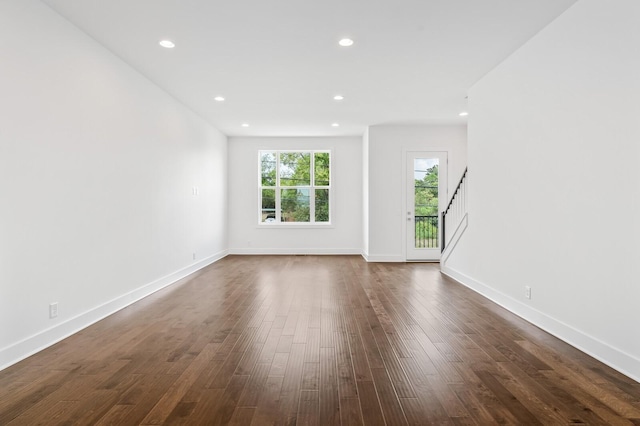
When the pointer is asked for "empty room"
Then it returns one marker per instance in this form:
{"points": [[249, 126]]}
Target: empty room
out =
{"points": [[297, 212]]}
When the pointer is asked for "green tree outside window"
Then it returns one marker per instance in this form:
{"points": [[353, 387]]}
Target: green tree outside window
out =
{"points": [[295, 186]]}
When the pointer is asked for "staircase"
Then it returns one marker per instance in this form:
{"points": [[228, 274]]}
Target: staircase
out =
{"points": [[454, 218]]}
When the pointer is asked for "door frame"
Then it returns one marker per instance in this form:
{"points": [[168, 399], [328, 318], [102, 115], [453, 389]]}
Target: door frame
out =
{"points": [[406, 152]]}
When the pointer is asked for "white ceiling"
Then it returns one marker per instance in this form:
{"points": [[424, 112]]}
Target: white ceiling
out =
{"points": [[278, 63]]}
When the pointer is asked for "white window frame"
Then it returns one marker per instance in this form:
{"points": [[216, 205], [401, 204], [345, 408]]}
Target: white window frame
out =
{"points": [[311, 187]]}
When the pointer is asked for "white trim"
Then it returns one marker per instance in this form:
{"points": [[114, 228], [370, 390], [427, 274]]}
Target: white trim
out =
{"points": [[384, 258], [42, 340], [294, 251], [615, 358], [296, 225], [453, 242]]}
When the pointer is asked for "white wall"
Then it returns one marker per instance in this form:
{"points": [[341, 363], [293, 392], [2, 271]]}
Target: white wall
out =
{"points": [[365, 194], [97, 166], [554, 185], [387, 147], [344, 236]]}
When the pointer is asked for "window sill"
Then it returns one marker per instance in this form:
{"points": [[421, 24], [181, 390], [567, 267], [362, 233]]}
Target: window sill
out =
{"points": [[295, 226]]}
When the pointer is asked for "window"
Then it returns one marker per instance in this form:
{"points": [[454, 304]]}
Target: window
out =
{"points": [[295, 187]]}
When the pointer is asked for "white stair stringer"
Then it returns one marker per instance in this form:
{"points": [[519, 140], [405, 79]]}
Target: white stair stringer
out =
{"points": [[451, 244]]}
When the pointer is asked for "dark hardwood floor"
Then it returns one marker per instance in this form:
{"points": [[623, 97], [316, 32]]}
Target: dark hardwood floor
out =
{"points": [[315, 340]]}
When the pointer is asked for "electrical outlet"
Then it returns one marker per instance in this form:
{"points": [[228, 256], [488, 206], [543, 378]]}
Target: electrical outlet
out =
{"points": [[527, 292], [53, 310], [194, 256]]}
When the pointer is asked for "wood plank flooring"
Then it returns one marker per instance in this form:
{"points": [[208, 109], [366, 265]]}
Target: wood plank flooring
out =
{"points": [[315, 340]]}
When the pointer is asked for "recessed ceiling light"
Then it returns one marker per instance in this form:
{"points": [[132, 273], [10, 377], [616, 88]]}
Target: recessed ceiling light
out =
{"points": [[346, 42], [338, 97], [168, 44], [219, 98], [335, 125], [463, 114], [245, 124]]}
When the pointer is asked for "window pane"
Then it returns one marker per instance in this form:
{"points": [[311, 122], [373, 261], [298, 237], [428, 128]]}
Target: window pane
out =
{"points": [[268, 168], [268, 205], [295, 168], [426, 186], [322, 205], [321, 169], [295, 205], [426, 202]]}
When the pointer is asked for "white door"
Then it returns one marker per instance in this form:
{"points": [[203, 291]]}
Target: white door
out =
{"points": [[426, 198]]}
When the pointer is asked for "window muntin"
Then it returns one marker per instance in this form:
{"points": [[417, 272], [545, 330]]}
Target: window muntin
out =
{"points": [[295, 168], [295, 187]]}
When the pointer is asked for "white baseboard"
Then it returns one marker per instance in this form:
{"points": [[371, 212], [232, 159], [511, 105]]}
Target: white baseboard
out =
{"points": [[42, 340], [383, 258], [615, 358], [365, 255], [294, 251], [311, 251]]}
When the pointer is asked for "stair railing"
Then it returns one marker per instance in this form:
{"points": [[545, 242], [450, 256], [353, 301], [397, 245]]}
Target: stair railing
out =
{"points": [[456, 209]]}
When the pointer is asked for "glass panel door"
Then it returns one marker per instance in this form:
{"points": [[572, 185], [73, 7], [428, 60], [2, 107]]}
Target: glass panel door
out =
{"points": [[426, 188]]}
